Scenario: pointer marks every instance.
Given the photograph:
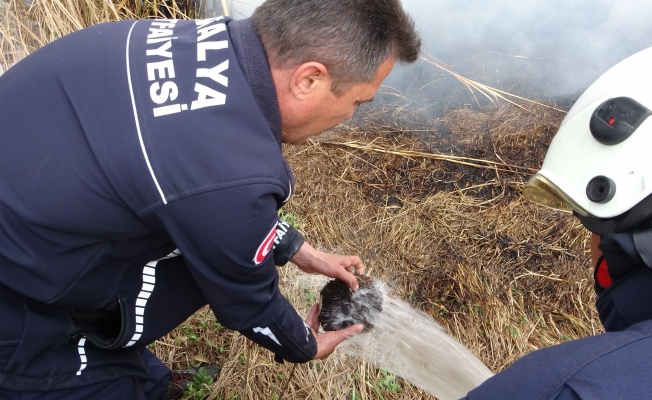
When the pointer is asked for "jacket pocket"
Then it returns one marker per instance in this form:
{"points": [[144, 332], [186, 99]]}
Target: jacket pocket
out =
{"points": [[104, 327]]}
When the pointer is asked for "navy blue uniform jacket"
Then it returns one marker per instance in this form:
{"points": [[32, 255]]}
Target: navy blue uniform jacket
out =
{"points": [[140, 177]]}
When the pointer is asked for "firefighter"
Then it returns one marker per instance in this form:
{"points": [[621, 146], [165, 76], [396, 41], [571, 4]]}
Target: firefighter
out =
{"points": [[599, 168]]}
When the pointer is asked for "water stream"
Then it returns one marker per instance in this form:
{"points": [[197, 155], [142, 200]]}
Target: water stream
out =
{"points": [[412, 345], [409, 343]]}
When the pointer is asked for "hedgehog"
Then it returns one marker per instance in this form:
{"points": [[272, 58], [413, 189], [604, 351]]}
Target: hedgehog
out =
{"points": [[341, 307]]}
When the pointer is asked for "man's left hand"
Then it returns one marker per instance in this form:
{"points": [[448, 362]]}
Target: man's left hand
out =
{"points": [[328, 341], [337, 266]]}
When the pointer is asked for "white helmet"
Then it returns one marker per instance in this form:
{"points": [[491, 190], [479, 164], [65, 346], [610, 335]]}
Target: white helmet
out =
{"points": [[599, 164]]}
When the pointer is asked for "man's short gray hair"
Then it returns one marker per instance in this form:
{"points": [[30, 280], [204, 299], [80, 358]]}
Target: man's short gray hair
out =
{"points": [[352, 38]]}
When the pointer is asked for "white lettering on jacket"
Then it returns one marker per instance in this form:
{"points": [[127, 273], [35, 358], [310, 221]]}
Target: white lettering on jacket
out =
{"points": [[208, 94], [163, 90], [281, 232]]}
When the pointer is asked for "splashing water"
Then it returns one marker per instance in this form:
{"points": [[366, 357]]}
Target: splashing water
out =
{"points": [[411, 344]]}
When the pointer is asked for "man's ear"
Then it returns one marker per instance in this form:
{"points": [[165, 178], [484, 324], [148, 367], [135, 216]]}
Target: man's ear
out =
{"points": [[310, 79]]}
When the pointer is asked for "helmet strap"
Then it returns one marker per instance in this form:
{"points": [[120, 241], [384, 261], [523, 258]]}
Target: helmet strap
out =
{"points": [[638, 217]]}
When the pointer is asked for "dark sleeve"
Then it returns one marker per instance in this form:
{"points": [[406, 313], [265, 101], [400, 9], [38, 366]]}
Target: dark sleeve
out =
{"points": [[538, 375], [566, 393], [227, 238], [287, 243], [542, 374]]}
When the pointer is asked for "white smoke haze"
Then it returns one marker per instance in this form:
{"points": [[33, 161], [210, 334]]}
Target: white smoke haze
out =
{"points": [[552, 48], [235, 9]]}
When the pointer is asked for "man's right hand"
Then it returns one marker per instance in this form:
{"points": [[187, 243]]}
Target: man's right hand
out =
{"points": [[313, 261], [328, 341]]}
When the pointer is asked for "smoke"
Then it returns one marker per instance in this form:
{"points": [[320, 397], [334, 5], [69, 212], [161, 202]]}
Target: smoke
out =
{"points": [[548, 48], [542, 49]]}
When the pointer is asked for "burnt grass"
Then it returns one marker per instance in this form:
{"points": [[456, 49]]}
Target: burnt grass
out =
{"points": [[503, 138]]}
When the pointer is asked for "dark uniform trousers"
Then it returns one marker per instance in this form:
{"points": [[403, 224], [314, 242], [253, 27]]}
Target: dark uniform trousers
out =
{"points": [[124, 388]]}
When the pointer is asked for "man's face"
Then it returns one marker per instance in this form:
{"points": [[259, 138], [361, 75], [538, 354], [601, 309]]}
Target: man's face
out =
{"points": [[323, 110]]}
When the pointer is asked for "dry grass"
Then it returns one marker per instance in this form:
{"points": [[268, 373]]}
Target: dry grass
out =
{"points": [[492, 94], [24, 27], [434, 208], [28, 25]]}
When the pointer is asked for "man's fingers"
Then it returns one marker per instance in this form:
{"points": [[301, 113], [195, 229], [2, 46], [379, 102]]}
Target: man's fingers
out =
{"points": [[350, 331], [348, 278], [327, 342], [356, 263], [345, 275], [312, 320]]}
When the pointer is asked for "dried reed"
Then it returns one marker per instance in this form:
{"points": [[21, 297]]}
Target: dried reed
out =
{"points": [[492, 94]]}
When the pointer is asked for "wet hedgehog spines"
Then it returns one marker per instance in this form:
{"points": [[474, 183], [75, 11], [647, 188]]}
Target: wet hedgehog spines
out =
{"points": [[340, 308]]}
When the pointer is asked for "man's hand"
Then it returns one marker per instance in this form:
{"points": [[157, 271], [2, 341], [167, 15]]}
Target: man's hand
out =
{"points": [[313, 261], [328, 341]]}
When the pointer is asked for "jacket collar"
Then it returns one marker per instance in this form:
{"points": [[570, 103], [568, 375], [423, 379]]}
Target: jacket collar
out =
{"points": [[252, 58], [627, 302], [629, 298]]}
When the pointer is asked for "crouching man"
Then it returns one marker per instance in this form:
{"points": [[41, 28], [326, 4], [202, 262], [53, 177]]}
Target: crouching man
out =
{"points": [[140, 177]]}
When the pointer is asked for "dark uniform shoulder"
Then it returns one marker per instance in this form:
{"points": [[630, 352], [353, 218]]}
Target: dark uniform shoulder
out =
{"points": [[606, 366]]}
